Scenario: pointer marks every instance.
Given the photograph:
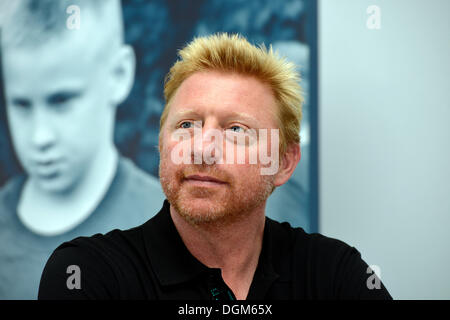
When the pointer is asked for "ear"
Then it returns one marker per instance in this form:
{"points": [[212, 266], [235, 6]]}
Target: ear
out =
{"points": [[288, 164], [122, 73]]}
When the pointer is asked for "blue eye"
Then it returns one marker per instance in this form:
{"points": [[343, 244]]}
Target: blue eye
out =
{"points": [[186, 125], [239, 129]]}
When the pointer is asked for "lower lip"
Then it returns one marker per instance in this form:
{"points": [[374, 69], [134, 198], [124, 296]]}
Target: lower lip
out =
{"points": [[201, 183], [48, 175], [49, 171]]}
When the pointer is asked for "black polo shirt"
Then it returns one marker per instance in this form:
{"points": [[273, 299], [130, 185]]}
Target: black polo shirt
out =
{"points": [[152, 262]]}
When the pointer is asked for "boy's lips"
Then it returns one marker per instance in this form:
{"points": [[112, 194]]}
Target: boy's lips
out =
{"points": [[45, 163], [46, 168]]}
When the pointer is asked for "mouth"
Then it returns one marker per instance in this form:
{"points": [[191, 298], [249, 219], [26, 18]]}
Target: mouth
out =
{"points": [[203, 180], [38, 161], [44, 162], [46, 169], [48, 175]]}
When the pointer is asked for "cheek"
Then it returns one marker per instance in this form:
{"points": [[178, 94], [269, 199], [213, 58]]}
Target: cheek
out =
{"points": [[175, 147], [20, 133], [166, 166], [87, 123], [244, 175], [87, 118]]}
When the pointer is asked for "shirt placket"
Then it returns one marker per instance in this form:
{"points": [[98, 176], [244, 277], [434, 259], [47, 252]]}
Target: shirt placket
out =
{"points": [[218, 288]]}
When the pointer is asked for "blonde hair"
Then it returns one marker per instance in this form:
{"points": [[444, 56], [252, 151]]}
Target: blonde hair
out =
{"points": [[233, 53], [31, 23]]}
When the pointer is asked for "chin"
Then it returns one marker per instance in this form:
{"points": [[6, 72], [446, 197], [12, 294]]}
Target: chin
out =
{"points": [[58, 185], [202, 214], [204, 209]]}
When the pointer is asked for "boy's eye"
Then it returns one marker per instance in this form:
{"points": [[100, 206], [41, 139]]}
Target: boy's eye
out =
{"points": [[61, 98], [21, 103]]}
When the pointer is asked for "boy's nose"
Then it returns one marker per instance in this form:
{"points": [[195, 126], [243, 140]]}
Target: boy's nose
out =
{"points": [[43, 136]]}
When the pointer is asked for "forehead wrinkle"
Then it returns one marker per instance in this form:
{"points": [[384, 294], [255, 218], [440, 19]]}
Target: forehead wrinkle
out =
{"points": [[226, 115], [184, 91]]}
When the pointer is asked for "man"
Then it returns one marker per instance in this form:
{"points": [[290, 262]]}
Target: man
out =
{"points": [[63, 83], [211, 239]]}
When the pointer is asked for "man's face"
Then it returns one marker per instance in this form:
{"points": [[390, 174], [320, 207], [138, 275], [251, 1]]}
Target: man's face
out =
{"points": [[57, 111], [231, 104]]}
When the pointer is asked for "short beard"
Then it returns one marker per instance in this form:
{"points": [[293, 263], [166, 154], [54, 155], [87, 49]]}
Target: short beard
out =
{"points": [[236, 204]]}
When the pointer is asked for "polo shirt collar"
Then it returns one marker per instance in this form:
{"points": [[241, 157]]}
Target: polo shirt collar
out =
{"points": [[174, 264], [169, 257]]}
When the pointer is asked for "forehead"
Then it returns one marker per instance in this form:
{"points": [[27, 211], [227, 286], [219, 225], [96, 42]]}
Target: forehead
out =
{"points": [[54, 48], [218, 93], [62, 61]]}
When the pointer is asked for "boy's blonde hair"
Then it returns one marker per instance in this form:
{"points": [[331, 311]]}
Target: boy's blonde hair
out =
{"points": [[32, 23], [233, 53]]}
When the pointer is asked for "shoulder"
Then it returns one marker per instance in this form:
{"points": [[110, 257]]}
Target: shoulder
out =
{"points": [[104, 261], [136, 175], [134, 192], [324, 267], [311, 246], [111, 248], [285, 232], [10, 194], [12, 187], [326, 248], [138, 186]]}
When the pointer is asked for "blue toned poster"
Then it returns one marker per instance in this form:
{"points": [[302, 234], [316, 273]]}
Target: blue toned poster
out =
{"points": [[126, 174]]}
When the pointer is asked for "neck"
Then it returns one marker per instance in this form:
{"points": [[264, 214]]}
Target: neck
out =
{"points": [[233, 246]]}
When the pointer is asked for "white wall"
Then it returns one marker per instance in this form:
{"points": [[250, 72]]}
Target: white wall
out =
{"points": [[384, 139]]}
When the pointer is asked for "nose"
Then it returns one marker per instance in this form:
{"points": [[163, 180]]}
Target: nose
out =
{"points": [[43, 136], [208, 144]]}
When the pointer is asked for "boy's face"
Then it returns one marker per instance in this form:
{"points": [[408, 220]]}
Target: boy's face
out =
{"points": [[57, 110]]}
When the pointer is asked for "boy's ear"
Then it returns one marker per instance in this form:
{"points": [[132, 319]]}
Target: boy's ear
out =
{"points": [[122, 73]]}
